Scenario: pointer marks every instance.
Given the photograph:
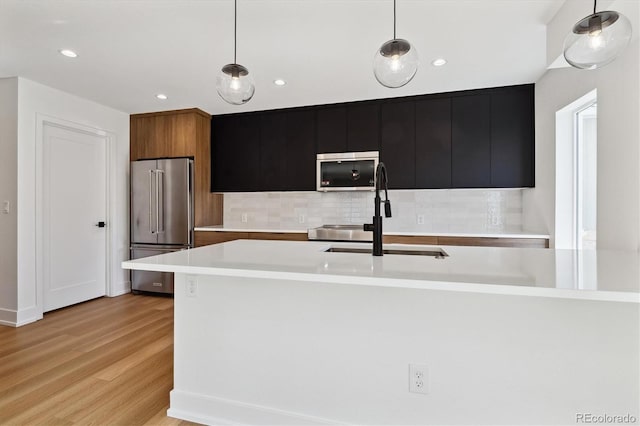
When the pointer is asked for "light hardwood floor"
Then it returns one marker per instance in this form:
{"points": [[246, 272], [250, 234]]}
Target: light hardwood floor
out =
{"points": [[108, 361]]}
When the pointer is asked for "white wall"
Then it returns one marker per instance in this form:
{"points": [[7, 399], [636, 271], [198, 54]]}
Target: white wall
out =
{"points": [[618, 212], [8, 191], [36, 99]]}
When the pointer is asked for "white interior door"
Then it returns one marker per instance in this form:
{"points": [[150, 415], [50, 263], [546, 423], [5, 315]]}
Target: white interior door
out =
{"points": [[74, 202]]}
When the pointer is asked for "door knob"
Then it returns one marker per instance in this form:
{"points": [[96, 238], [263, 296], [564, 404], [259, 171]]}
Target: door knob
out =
{"points": [[101, 224]]}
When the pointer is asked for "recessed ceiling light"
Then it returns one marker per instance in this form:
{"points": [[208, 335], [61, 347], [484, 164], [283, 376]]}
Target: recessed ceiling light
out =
{"points": [[68, 53], [161, 96], [439, 62], [279, 82]]}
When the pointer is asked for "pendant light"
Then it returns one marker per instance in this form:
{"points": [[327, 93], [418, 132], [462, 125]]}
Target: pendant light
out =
{"points": [[396, 61], [597, 39], [234, 84]]}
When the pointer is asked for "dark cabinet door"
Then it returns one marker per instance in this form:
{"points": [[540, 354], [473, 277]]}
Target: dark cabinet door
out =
{"points": [[236, 148], [222, 149], [397, 143], [363, 126], [433, 143], [331, 129], [471, 141], [273, 151], [301, 151], [512, 137]]}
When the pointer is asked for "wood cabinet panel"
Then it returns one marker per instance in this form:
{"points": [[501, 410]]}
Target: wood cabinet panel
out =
{"points": [[205, 238], [397, 143], [214, 237], [285, 236], [409, 239], [208, 205], [494, 242]]}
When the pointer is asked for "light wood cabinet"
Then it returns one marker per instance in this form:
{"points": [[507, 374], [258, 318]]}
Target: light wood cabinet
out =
{"points": [[494, 242], [182, 133], [287, 236], [409, 239], [204, 238]]}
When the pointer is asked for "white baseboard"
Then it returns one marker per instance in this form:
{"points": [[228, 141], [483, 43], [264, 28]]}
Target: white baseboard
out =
{"points": [[8, 317], [28, 315], [219, 411], [119, 289], [14, 318]]}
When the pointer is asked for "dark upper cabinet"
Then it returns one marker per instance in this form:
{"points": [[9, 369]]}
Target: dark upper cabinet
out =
{"points": [[471, 141], [331, 129], [300, 157], [397, 143], [512, 137], [273, 151], [433, 143], [363, 126], [236, 153]]}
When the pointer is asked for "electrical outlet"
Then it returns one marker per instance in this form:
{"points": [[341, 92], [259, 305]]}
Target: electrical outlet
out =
{"points": [[301, 218], [420, 219], [244, 218], [192, 286], [6, 207], [418, 378]]}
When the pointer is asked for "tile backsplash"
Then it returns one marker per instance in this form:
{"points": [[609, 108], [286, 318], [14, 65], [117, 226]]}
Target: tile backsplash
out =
{"points": [[452, 210]]}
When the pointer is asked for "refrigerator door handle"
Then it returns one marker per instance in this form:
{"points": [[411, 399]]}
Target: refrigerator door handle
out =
{"points": [[151, 185], [159, 201]]}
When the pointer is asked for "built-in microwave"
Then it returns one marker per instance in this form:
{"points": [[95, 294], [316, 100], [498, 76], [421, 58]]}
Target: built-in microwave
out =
{"points": [[346, 171]]}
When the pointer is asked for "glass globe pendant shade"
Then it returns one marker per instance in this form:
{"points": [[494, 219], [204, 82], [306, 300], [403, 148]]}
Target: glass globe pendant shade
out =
{"points": [[235, 84], [395, 63], [597, 40]]}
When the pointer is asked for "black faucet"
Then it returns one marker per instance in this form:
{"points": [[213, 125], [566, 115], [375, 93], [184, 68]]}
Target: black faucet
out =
{"points": [[376, 226]]}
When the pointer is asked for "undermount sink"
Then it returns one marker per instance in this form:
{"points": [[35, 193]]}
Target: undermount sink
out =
{"points": [[437, 253]]}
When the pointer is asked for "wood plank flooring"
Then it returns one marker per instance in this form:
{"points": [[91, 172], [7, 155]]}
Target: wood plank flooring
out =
{"points": [[108, 361]]}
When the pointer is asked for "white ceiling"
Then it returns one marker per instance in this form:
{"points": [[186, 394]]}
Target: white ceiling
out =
{"points": [[129, 50]]}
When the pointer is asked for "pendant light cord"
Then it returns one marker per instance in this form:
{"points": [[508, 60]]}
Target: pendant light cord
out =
{"points": [[594, 6], [394, 19], [235, 29]]}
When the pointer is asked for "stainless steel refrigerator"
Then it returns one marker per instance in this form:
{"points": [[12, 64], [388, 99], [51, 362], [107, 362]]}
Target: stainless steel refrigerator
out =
{"points": [[161, 216]]}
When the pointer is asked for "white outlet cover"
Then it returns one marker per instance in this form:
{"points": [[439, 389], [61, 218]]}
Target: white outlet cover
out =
{"points": [[192, 286], [418, 378]]}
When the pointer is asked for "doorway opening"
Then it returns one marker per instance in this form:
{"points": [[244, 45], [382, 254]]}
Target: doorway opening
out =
{"points": [[586, 138], [576, 174]]}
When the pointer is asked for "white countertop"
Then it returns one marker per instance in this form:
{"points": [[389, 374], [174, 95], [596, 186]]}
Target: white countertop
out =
{"points": [[591, 275], [218, 228]]}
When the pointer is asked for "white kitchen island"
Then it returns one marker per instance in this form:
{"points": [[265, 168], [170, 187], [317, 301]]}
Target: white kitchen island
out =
{"points": [[282, 332]]}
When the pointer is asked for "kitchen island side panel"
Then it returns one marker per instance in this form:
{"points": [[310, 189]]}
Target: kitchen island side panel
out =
{"points": [[264, 351]]}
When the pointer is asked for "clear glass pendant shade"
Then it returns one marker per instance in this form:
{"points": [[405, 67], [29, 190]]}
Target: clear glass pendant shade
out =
{"points": [[235, 85], [395, 63], [597, 39]]}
